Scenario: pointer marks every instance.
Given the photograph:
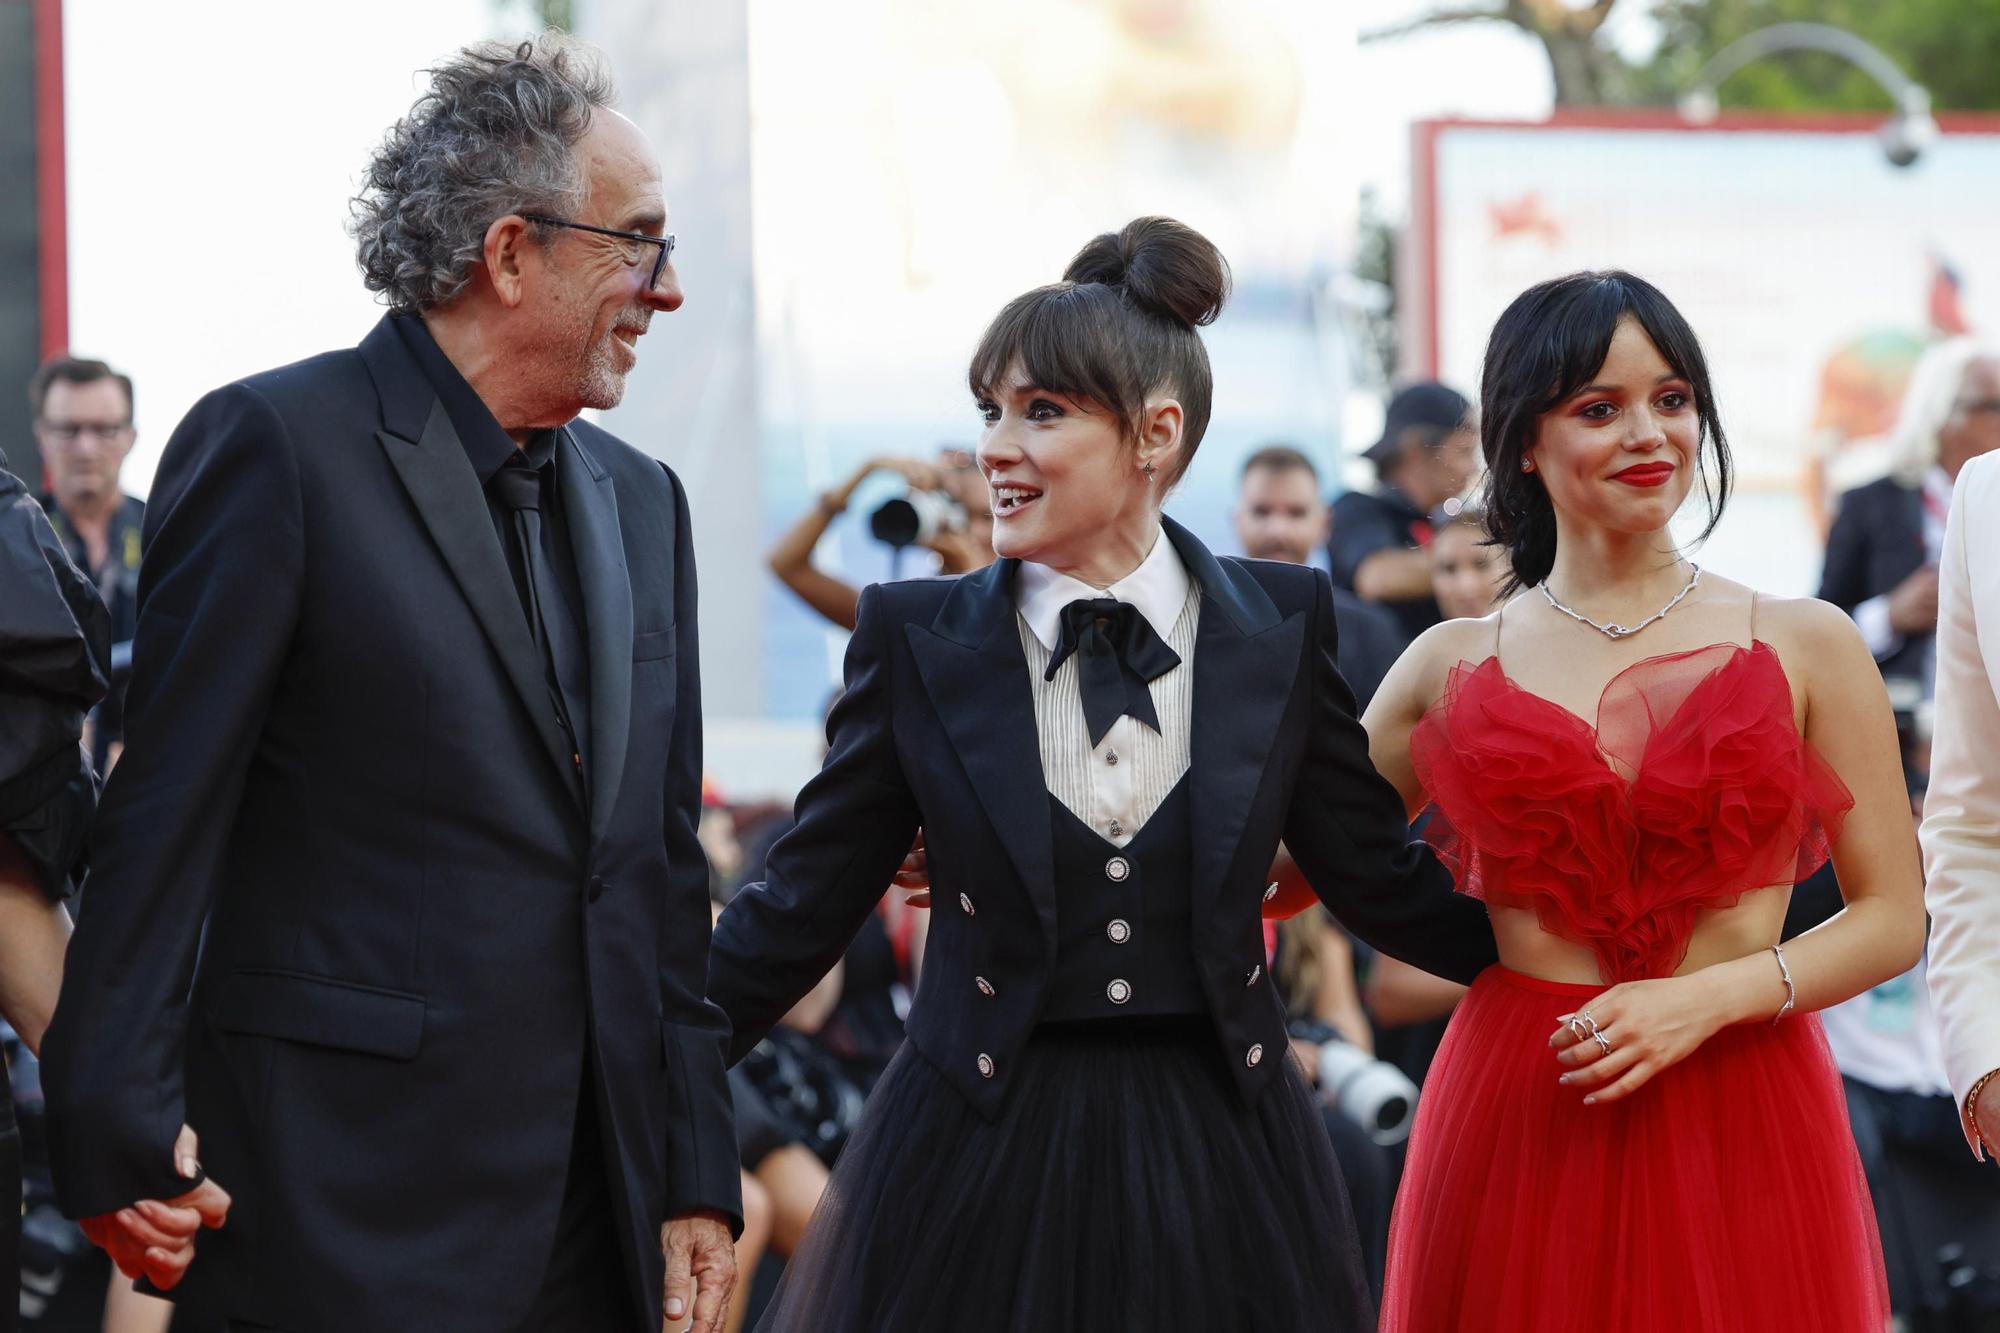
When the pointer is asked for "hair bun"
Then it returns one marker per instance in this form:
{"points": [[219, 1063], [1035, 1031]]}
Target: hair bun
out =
{"points": [[1164, 266]]}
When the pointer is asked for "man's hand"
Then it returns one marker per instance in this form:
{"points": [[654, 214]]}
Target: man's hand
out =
{"points": [[1913, 606], [154, 1239], [699, 1253]]}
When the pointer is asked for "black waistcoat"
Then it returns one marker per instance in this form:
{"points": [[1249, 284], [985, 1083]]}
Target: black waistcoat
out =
{"points": [[1125, 942]]}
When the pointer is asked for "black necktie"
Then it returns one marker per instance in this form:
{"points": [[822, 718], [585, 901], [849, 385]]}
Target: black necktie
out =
{"points": [[519, 490], [1117, 656]]}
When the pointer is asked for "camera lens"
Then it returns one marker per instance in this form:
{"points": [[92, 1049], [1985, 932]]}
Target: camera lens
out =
{"points": [[896, 522]]}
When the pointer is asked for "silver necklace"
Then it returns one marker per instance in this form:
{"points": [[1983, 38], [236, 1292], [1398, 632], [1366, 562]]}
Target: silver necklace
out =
{"points": [[1616, 631]]}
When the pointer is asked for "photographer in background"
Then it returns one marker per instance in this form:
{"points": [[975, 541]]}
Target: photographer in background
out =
{"points": [[82, 412], [1428, 453], [1365, 1106], [962, 542], [1279, 515]]}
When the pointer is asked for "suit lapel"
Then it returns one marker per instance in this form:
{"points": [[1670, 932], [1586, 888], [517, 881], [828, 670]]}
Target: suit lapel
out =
{"points": [[1245, 661], [444, 488], [591, 506], [972, 667]]}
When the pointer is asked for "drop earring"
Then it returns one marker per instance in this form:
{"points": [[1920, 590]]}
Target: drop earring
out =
{"points": [[1146, 468]]}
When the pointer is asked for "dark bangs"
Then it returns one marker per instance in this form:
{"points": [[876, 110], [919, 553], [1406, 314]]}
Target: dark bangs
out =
{"points": [[1549, 343], [1088, 341]]}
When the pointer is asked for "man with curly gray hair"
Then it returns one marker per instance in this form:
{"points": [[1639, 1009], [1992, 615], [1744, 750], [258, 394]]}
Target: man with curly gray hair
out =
{"points": [[415, 729]]}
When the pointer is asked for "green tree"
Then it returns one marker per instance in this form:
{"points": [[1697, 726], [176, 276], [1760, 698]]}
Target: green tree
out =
{"points": [[1951, 47]]}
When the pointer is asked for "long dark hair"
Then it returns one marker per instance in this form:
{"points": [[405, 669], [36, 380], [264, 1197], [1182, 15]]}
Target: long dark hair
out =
{"points": [[1548, 344], [1120, 325]]}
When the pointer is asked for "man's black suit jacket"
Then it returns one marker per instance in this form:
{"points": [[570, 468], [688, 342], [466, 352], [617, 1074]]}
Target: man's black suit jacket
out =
{"points": [[937, 727], [342, 754], [1877, 541]]}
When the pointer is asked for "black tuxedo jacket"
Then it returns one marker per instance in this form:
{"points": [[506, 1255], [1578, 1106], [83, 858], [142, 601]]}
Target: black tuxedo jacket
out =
{"points": [[1877, 541], [937, 728], [421, 938]]}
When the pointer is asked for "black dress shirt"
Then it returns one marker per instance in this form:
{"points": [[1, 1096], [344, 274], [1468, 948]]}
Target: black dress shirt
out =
{"points": [[117, 579], [1371, 639], [489, 448], [117, 583], [1365, 523]]}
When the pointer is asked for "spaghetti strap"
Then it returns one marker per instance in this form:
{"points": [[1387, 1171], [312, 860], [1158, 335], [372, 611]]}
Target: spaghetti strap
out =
{"points": [[1499, 619], [1753, 617]]}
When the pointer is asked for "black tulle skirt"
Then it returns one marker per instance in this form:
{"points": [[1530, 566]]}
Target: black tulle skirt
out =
{"points": [[1125, 1185]]}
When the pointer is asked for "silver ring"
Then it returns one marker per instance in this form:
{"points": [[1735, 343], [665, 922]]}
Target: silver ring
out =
{"points": [[1576, 1028], [1603, 1042]]}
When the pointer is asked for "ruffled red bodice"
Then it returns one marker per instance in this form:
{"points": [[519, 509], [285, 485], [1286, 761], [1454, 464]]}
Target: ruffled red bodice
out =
{"points": [[1694, 788]]}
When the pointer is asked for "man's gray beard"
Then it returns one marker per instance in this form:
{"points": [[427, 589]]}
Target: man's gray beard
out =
{"points": [[603, 384], [603, 387]]}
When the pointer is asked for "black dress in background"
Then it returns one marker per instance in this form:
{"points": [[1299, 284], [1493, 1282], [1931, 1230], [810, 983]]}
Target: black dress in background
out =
{"points": [[55, 648]]}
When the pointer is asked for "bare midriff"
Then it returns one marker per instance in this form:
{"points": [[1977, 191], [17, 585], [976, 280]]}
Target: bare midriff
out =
{"points": [[1753, 924]]}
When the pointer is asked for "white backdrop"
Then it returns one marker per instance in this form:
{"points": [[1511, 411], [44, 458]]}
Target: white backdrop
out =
{"points": [[1797, 253], [211, 151]]}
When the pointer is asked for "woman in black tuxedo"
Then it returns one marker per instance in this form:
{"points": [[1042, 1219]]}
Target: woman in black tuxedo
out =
{"points": [[1104, 736]]}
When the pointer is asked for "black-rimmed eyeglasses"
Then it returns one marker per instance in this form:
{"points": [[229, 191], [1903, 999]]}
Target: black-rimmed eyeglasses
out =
{"points": [[69, 432], [635, 251]]}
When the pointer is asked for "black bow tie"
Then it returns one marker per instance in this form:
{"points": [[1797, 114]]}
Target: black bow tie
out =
{"points": [[1117, 655]]}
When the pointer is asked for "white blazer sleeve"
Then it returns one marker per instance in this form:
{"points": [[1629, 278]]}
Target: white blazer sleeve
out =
{"points": [[1961, 829]]}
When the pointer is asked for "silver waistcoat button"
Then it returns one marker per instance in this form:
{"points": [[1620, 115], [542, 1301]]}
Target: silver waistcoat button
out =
{"points": [[1118, 991], [1270, 893], [965, 905], [1255, 972], [985, 1063], [985, 986], [1251, 1057], [1117, 870], [1119, 931]]}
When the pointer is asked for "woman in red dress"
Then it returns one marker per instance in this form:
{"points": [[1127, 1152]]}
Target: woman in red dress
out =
{"points": [[1634, 1123]]}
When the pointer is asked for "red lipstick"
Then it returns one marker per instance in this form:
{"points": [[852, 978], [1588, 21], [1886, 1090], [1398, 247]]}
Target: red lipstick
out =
{"points": [[1645, 474]]}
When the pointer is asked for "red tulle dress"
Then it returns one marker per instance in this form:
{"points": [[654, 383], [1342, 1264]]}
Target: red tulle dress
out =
{"points": [[1724, 1195]]}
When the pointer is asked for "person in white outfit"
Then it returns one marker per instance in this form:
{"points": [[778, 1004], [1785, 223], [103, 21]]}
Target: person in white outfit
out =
{"points": [[1961, 828]]}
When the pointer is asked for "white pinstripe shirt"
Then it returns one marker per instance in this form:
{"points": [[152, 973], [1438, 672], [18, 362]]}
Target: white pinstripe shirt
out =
{"points": [[1116, 785]]}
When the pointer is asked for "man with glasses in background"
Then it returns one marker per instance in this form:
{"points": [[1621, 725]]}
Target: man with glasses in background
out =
{"points": [[415, 728], [82, 412]]}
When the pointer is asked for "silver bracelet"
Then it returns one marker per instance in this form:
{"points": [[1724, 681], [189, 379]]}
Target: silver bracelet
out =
{"points": [[1791, 991]]}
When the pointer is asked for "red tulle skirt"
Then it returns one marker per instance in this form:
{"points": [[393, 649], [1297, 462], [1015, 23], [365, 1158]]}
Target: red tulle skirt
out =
{"points": [[1725, 1195]]}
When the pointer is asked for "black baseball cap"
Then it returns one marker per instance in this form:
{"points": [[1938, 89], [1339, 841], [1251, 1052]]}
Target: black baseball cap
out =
{"points": [[1426, 403]]}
